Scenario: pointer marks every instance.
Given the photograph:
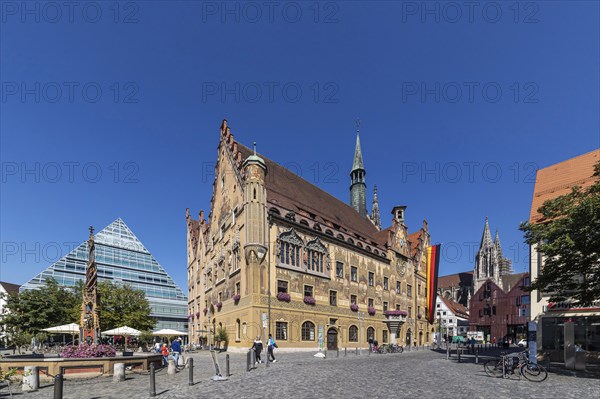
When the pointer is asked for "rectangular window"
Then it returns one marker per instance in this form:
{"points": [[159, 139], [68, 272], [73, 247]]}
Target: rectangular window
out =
{"points": [[339, 269], [384, 337], [494, 309], [419, 289], [237, 288], [419, 311], [525, 300], [386, 283], [385, 306], [308, 290], [353, 274], [398, 287], [397, 307], [282, 286], [353, 299], [409, 312], [220, 295], [370, 302], [408, 290], [333, 298], [281, 330], [371, 278]]}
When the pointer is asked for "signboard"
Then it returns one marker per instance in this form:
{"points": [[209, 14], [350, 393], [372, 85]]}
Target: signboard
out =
{"points": [[264, 320], [478, 335], [320, 337], [568, 305]]}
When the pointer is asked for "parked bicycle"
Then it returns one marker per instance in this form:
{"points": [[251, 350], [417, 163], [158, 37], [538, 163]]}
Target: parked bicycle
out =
{"points": [[515, 364], [393, 348]]}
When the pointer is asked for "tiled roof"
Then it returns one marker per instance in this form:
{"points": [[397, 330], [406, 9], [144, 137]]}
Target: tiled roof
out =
{"points": [[558, 179], [414, 239], [509, 281], [10, 288], [455, 307], [455, 280]]}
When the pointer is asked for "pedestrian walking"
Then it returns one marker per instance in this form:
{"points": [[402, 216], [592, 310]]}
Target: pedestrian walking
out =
{"points": [[258, 347], [370, 344], [176, 349], [271, 344], [165, 355], [157, 347]]}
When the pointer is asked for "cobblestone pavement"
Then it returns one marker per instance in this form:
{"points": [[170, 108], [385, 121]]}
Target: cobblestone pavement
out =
{"points": [[424, 373]]}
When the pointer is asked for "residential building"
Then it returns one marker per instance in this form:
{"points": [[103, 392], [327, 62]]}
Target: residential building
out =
{"points": [[552, 182], [5, 290], [452, 317], [122, 259], [278, 254]]}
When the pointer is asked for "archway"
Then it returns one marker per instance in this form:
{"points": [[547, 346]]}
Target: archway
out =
{"points": [[332, 339]]}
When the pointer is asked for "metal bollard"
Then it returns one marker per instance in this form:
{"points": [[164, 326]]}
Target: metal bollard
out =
{"points": [[191, 371], [458, 353], [503, 367], [249, 361], [325, 353], [447, 352], [227, 366], [476, 357], [152, 381], [345, 352], [58, 386], [337, 352]]}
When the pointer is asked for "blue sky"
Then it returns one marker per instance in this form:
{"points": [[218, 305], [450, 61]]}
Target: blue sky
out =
{"points": [[113, 111]]}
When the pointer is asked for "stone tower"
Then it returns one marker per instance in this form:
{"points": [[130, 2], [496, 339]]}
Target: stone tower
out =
{"points": [[358, 188], [375, 217], [255, 226], [489, 262]]}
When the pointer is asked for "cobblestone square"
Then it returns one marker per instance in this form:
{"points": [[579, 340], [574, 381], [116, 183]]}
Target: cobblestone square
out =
{"points": [[423, 373]]}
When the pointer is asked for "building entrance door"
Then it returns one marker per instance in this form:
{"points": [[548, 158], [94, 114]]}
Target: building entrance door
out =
{"points": [[332, 339]]}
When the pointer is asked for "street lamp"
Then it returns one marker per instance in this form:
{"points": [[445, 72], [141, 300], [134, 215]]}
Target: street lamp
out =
{"points": [[361, 318]]}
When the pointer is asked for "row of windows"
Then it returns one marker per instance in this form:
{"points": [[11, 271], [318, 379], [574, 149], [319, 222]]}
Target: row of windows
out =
{"points": [[307, 332], [339, 272]]}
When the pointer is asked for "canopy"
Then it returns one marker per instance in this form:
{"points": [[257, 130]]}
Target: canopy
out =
{"points": [[126, 331], [168, 332], [71, 328]]}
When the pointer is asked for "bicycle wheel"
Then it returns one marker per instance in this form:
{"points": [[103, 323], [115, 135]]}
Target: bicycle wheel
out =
{"points": [[534, 372], [400, 349], [493, 368]]}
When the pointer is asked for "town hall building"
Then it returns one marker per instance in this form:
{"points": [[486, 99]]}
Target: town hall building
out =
{"points": [[279, 255]]}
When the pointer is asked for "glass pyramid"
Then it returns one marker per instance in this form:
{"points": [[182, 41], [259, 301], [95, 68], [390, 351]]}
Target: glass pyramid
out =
{"points": [[123, 259]]}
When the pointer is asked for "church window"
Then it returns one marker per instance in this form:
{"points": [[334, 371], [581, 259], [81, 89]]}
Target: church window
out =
{"points": [[353, 334], [308, 331], [290, 246]]}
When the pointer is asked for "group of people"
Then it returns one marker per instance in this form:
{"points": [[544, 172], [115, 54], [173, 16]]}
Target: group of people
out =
{"points": [[257, 347], [164, 351]]}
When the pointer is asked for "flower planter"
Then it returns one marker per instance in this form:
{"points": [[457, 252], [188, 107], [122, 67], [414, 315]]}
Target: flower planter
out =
{"points": [[205, 310], [354, 307], [236, 299], [284, 296], [219, 306], [309, 300], [371, 311]]}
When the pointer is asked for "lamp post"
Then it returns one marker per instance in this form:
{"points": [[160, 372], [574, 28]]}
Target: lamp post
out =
{"points": [[361, 318]]}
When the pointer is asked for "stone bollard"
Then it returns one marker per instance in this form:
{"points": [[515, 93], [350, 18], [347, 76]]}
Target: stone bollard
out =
{"points": [[476, 357], [119, 372], [58, 386], [227, 366], [171, 369], [447, 352], [345, 352], [252, 359], [31, 379], [190, 366], [152, 381]]}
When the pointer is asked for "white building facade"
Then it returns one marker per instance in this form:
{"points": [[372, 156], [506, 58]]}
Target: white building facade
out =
{"points": [[452, 317]]}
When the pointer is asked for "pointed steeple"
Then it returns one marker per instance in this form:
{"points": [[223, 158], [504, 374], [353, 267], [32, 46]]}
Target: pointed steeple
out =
{"points": [[375, 217], [486, 238], [358, 188], [497, 244], [358, 160]]}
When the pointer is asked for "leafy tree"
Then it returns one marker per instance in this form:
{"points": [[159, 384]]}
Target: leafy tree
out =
{"points": [[569, 239], [122, 305], [33, 310]]}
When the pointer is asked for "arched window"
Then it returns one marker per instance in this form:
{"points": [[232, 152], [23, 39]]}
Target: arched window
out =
{"points": [[370, 333], [290, 247], [353, 334], [316, 255], [308, 331]]}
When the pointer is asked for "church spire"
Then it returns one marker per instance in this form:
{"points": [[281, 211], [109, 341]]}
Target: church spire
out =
{"points": [[497, 244], [358, 188], [486, 238], [375, 217]]}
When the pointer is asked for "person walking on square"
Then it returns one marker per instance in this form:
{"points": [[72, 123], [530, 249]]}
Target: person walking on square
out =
{"points": [[176, 349], [157, 347], [165, 355], [270, 346], [258, 347]]}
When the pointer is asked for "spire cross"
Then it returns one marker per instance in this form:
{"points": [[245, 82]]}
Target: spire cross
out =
{"points": [[357, 122], [254, 148]]}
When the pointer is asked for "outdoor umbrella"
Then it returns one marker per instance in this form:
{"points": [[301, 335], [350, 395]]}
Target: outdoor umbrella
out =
{"points": [[125, 331], [168, 332], [71, 328]]}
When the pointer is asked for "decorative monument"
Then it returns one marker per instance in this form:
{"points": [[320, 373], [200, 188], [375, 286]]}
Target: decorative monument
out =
{"points": [[90, 319]]}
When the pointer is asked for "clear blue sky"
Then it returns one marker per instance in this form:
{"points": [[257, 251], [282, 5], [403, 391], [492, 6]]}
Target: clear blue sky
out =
{"points": [[458, 106]]}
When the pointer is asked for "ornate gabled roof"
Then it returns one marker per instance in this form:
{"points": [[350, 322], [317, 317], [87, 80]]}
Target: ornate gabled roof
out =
{"points": [[415, 240], [358, 159]]}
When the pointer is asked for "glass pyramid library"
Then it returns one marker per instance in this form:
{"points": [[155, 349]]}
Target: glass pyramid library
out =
{"points": [[123, 259]]}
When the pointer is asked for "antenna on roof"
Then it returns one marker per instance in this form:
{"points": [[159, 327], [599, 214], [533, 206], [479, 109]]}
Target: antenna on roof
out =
{"points": [[254, 148]]}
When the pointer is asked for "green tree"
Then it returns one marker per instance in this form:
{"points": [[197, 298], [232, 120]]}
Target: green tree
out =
{"points": [[33, 310], [569, 239], [122, 305]]}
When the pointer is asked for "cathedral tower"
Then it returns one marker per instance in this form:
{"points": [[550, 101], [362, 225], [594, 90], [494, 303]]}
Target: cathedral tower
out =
{"points": [[358, 188]]}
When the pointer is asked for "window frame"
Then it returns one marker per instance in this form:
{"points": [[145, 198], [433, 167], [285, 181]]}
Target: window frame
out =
{"points": [[307, 331], [332, 294], [353, 333]]}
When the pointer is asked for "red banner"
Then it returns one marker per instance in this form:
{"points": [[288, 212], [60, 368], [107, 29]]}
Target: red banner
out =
{"points": [[433, 265]]}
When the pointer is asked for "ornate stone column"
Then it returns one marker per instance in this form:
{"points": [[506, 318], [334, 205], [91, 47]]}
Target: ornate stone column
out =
{"points": [[394, 319]]}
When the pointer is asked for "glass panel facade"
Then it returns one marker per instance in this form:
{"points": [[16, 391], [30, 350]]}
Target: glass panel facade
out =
{"points": [[122, 259]]}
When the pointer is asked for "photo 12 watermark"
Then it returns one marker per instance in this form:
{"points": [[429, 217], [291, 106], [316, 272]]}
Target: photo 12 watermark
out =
{"points": [[270, 92], [468, 172], [69, 172], [469, 92], [70, 12], [271, 12], [69, 92], [465, 252], [470, 12]]}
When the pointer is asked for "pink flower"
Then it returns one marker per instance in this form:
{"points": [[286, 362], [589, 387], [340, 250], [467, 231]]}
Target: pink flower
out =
{"points": [[354, 307]]}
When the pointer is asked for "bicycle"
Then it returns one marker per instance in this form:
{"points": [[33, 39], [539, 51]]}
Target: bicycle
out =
{"points": [[506, 365]]}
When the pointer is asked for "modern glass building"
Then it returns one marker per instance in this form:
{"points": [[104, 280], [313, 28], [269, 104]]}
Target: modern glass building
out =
{"points": [[122, 259]]}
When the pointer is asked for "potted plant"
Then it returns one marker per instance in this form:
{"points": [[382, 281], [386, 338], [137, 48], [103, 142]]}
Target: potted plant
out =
{"points": [[219, 306], [354, 307], [284, 296], [395, 313], [371, 311], [198, 314], [309, 300], [236, 298]]}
